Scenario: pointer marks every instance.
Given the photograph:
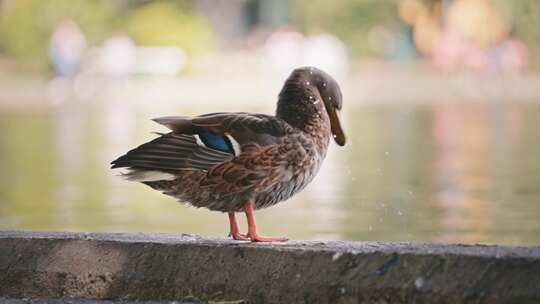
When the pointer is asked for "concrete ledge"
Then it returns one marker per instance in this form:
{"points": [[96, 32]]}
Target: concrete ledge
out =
{"points": [[93, 301], [161, 267]]}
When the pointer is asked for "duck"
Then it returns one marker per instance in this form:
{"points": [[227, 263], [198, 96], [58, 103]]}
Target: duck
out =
{"points": [[235, 162]]}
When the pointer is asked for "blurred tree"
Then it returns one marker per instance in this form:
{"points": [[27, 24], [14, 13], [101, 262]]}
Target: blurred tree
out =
{"points": [[26, 25], [170, 23], [350, 20], [525, 15]]}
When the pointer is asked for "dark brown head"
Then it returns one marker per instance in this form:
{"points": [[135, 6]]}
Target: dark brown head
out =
{"points": [[297, 102]]}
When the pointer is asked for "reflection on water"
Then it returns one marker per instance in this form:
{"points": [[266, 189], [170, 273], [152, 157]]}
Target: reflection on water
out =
{"points": [[452, 172]]}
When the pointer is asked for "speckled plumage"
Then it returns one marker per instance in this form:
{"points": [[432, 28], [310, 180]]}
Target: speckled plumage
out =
{"points": [[277, 156]]}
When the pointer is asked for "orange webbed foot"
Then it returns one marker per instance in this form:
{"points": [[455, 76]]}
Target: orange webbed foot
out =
{"points": [[239, 236], [266, 239]]}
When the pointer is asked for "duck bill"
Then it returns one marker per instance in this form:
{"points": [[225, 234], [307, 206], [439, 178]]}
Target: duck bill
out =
{"points": [[335, 125]]}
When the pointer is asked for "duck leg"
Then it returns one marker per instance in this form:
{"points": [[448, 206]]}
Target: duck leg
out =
{"points": [[235, 232], [252, 228]]}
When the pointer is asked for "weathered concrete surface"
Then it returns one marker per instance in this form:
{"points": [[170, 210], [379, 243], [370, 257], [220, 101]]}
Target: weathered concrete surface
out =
{"points": [[162, 267], [91, 301]]}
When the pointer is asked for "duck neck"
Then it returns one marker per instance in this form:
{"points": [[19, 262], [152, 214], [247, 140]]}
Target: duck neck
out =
{"points": [[302, 107]]}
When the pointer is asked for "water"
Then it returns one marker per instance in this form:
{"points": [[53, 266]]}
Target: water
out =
{"points": [[446, 172]]}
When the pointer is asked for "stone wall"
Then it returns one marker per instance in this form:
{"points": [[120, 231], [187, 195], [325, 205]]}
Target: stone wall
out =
{"points": [[163, 267]]}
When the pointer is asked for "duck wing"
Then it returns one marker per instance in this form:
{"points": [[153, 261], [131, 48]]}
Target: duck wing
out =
{"points": [[239, 128], [203, 141], [171, 152]]}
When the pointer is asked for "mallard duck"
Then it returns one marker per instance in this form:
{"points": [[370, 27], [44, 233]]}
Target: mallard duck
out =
{"points": [[240, 162]]}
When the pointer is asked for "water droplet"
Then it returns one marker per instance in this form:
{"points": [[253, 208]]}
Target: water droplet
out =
{"points": [[419, 282], [342, 290], [307, 82], [399, 213], [336, 256], [329, 97], [324, 84], [316, 101]]}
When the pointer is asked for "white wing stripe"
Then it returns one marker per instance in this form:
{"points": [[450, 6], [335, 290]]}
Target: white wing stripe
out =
{"points": [[235, 145], [198, 140]]}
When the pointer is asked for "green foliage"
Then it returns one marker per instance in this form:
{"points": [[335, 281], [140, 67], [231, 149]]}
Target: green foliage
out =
{"points": [[350, 20], [26, 25], [169, 23]]}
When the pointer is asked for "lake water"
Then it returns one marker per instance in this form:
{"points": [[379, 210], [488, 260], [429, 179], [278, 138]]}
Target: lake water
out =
{"points": [[442, 172]]}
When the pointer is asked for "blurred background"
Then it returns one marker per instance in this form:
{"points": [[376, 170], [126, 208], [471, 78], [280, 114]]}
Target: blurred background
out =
{"points": [[441, 109]]}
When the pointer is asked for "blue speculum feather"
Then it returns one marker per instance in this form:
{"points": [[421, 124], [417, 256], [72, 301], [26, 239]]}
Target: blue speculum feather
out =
{"points": [[218, 142]]}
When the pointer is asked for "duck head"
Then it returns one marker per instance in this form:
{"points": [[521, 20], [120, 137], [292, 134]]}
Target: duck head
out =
{"points": [[333, 102], [294, 103]]}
